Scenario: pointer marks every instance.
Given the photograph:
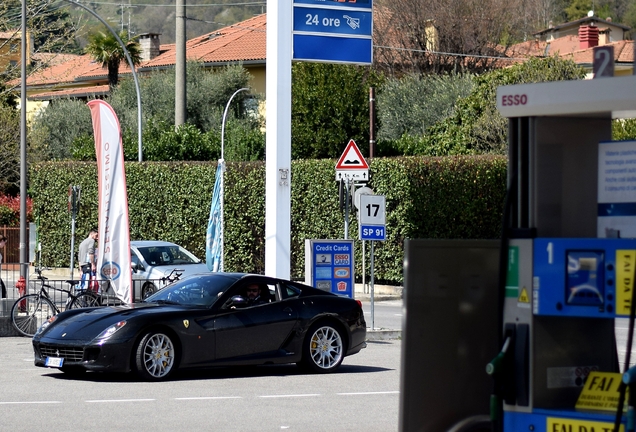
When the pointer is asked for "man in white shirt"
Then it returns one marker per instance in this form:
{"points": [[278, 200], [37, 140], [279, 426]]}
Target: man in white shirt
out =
{"points": [[86, 257]]}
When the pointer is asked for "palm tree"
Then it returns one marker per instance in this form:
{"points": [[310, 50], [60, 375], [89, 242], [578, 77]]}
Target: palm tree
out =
{"points": [[104, 48]]}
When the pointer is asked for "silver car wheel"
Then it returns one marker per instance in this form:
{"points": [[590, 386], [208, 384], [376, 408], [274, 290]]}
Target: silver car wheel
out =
{"points": [[325, 347], [147, 290], [158, 355]]}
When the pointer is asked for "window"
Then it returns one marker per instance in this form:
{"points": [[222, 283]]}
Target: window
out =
{"points": [[289, 291]]}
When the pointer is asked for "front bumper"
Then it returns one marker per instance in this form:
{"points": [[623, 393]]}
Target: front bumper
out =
{"points": [[111, 357]]}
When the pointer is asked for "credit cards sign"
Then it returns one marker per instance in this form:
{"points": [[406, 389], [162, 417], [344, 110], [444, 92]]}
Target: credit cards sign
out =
{"points": [[330, 265]]}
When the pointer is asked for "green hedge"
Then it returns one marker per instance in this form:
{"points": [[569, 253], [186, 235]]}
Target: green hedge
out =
{"points": [[445, 197]]}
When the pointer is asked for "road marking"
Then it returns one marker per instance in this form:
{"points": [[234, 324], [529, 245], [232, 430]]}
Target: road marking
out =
{"points": [[32, 402], [367, 393], [209, 398], [119, 400], [290, 396]]}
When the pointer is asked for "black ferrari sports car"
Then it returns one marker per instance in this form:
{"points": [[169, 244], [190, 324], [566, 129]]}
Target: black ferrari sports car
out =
{"points": [[211, 319]]}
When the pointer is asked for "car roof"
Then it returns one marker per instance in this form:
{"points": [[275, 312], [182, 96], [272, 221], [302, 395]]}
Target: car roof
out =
{"points": [[150, 243]]}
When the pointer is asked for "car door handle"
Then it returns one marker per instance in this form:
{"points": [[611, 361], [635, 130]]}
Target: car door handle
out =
{"points": [[288, 310]]}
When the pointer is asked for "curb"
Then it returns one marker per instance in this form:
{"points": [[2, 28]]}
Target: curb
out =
{"points": [[7, 329], [381, 335]]}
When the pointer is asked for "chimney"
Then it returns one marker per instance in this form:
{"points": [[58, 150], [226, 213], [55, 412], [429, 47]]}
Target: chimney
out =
{"points": [[149, 43], [588, 36], [604, 36]]}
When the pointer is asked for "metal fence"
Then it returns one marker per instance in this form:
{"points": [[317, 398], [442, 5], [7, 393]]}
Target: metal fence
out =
{"points": [[11, 251], [10, 274]]}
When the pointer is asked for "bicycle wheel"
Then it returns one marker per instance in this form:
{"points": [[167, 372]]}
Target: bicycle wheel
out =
{"points": [[29, 312], [84, 300]]}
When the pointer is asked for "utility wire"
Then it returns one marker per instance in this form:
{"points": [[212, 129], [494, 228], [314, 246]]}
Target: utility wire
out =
{"points": [[257, 3]]}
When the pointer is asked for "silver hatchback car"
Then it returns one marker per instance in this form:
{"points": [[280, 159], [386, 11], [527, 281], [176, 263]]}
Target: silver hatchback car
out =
{"points": [[155, 263]]}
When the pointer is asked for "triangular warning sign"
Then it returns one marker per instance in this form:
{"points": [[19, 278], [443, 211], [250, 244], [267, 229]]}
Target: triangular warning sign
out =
{"points": [[351, 158], [523, 297]]}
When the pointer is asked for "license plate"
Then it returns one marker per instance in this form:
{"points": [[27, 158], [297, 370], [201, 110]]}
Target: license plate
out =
{"points": [[54, 362]]}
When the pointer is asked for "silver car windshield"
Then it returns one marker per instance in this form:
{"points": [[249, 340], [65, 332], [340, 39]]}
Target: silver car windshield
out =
{"points": [[197, 290], [167, 255]]}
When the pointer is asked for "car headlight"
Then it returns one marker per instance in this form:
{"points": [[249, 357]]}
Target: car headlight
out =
{"points": [[106, 334], [44, 326]]}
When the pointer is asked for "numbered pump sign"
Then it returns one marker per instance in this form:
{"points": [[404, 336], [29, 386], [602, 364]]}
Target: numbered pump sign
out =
{"points": [[372, 217]]}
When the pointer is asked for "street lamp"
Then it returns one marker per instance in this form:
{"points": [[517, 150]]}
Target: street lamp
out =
{"points": [[132, 68], [222, 163]]}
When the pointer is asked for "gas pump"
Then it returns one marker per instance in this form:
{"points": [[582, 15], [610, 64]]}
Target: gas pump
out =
{"points": [[570, 272], [529, 320]]}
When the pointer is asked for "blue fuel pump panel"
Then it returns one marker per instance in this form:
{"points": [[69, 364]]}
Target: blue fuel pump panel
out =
{"points": [[583, 277]]}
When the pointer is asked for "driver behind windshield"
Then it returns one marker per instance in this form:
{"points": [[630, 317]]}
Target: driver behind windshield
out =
{"points": [[254, 295]]}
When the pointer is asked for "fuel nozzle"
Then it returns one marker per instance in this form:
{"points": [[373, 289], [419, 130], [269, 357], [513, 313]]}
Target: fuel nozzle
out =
{"points": [[493, 368], [495, 364], [629, 379]]}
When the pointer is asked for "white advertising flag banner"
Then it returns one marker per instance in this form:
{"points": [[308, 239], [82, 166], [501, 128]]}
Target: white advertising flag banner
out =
{"points": [[113, 249]]}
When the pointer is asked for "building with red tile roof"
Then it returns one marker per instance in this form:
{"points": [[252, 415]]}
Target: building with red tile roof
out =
{"points": [[79, 76], [576, 40]]}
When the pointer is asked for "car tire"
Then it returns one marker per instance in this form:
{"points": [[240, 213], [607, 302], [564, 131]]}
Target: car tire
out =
{"points": [[85, 300], [147, 290], [323, 348], [155, 356]]}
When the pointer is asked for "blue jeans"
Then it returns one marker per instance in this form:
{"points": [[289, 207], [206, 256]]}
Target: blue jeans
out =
{"points": [[82, 285]]}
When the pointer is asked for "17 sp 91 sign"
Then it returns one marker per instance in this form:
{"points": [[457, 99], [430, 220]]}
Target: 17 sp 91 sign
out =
{"points": [[372, 214]]}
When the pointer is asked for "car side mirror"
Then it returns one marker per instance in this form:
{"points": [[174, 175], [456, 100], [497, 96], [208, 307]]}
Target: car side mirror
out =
{"points": [[136, 267], [236, 302]]}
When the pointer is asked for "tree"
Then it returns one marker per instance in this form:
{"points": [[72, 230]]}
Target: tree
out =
{"points": [[436, 36], [9, 150], [64, 130], [476, 126], [578, 9], [413, 103], [105, 48], [330, 106], [50, 28]]}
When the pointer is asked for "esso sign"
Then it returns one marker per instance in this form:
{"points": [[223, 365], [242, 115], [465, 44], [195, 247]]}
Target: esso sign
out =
{"points": [[512, 100]]}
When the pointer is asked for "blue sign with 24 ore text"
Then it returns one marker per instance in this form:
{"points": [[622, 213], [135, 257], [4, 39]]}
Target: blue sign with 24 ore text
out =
{"points": [[335, 31]]}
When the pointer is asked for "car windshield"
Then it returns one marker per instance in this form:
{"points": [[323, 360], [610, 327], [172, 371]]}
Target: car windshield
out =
{"points": [[197, 290], [167, 255]]}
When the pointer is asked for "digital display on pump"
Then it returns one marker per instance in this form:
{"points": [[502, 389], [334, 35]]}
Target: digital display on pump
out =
{"points": [[585, 278]]}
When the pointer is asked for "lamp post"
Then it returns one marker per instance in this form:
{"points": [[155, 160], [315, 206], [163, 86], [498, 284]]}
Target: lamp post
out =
{"points": [[132, 68], [23, 101], [222, 163]]}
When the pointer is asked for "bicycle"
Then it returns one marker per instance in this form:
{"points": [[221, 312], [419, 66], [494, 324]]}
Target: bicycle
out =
{"points": [[149, 288], [30, 311], [174, 276]]}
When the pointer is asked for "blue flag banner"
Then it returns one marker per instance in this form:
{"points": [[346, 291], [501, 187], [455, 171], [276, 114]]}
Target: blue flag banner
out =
{"points": [[214, 236]]}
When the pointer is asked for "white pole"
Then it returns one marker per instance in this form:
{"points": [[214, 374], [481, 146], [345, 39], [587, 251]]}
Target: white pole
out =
{"points": [[346, 221], [278, 140], [372, 293]]}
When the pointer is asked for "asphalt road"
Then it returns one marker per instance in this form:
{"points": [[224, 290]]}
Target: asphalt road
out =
{"points": [[387, 315], [363, 395]]}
